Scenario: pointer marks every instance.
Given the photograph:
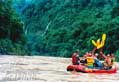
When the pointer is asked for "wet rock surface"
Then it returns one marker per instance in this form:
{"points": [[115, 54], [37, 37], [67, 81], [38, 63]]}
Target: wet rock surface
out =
{"points": [[46, 69]]}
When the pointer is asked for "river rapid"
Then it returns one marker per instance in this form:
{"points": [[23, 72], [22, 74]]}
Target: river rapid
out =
{"points": [[46, 69]]}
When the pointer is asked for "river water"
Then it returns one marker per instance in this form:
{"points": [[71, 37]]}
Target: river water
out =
{"points": [[46, 69]]}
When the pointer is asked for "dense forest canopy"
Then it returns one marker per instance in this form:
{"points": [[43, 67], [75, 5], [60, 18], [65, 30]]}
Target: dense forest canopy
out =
{"points": [[12, 37], [58, 27]]}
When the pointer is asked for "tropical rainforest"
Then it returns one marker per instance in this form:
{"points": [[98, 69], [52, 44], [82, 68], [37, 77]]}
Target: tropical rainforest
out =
{"points": [[58, 27]]}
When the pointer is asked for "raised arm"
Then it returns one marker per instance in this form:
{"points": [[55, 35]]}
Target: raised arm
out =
{"points": [[93, 51], [102, 54]]}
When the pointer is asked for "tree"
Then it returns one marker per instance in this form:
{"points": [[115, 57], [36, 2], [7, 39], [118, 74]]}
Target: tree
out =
{"points": [[11, 27]]}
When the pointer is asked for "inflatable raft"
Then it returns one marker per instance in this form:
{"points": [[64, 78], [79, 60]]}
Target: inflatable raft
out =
{"points": [[83, 69]]}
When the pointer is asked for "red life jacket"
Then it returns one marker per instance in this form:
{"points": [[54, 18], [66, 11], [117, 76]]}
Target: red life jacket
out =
{"points": [[74, 59]]}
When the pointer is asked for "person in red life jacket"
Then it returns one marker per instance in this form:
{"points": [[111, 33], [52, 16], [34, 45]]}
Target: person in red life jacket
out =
{"points": [[75, 58]]}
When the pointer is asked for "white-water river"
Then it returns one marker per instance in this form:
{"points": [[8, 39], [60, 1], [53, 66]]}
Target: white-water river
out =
{"points": [[46, 69]]}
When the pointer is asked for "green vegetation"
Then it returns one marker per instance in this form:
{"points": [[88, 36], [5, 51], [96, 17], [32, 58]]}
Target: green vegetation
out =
{"points": [[58, 27], [12, 38]]}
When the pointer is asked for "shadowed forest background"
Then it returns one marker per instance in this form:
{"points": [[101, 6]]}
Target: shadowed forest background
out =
{"points": [[57, 27]]}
